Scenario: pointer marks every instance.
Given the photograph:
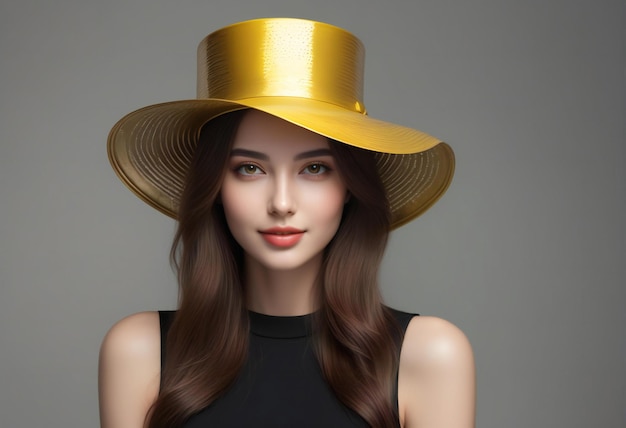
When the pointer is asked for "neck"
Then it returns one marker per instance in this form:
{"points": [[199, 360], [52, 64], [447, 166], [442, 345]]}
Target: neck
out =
{"points": [[282, 292]]}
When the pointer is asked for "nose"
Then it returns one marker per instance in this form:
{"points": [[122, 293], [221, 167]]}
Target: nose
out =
{"points": [[281, 201]]}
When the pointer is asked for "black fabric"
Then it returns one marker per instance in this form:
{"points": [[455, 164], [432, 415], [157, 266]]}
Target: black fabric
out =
{"points": [[281, 384]]}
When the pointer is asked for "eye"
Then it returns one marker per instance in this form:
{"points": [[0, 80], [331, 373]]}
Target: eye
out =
{"points": [[316, 168], [248, 169]]}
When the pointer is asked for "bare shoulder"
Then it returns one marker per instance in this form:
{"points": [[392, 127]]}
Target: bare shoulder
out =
{"points": [[133, 336], [436, 382], [129, 370], [432, 342]]}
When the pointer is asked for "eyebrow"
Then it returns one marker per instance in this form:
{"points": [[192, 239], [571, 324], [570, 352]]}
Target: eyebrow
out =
{"points": [[263, 156], [249, 154]]}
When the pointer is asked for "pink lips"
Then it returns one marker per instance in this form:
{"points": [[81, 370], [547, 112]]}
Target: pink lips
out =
{"points": [[283, 237]]}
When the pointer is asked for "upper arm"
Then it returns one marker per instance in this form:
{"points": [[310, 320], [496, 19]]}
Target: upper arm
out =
{"points": [[129, 371], [436, 381]]}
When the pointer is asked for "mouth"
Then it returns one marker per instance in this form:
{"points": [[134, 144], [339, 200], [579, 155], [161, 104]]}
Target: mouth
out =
{"points": [[281, 231], [282, 237]]}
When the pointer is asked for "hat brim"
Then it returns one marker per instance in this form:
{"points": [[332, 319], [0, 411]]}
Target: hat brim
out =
{"points": [[151, 148]]}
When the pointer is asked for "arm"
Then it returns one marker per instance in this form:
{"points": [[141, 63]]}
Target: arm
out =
{"points": [[436, 381], [129, 371]]}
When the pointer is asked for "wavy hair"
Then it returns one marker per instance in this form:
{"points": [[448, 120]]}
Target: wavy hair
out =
{"points": [[207, 343]]}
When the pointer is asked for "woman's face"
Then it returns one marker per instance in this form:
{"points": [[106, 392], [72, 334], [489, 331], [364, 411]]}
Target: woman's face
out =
{"points": [[282, 194]]}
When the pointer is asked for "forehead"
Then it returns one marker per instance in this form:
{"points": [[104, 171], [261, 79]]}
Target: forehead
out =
{"points": [[266, 133]]}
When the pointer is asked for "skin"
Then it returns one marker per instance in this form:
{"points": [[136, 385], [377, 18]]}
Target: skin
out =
{"points": [[280, 175]]}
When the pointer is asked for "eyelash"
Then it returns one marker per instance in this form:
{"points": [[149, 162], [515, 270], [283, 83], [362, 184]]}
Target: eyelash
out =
{"points": [[323, 168], [240, 169]]}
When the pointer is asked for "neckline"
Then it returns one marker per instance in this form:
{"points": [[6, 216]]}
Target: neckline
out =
{"points": [[280, 327]]}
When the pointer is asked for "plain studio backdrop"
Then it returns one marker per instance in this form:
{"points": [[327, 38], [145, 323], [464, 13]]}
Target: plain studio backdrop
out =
{"points": [[526, 252]]}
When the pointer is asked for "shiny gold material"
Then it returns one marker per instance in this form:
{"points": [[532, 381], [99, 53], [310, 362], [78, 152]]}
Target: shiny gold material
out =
{"points": [[308, 73], [282, 58]]}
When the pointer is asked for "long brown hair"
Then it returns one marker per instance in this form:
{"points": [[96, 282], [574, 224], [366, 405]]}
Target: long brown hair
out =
{"points": [[207, 343]]}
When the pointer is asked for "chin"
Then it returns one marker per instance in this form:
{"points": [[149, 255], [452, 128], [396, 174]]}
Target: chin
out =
{"points": [[285, 263]]}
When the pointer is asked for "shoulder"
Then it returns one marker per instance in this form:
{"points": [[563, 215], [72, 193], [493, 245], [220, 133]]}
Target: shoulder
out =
{"points": [[436, 381], [132, 339], [431, 341], [129, 370]]}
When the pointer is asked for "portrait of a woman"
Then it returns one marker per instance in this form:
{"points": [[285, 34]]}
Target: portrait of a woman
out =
{"points": [[284, 191]]}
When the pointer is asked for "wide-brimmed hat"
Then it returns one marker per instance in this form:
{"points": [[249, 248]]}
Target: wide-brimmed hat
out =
{"points": [[305, 72]]}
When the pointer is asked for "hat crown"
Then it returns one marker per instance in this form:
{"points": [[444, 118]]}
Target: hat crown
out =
{"points": [[282, 57]]}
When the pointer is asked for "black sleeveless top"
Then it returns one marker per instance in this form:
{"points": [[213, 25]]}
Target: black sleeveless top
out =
{"points": [[281, 383]]}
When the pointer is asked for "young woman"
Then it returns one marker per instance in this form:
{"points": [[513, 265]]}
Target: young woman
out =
{"points": [[284, 192]]}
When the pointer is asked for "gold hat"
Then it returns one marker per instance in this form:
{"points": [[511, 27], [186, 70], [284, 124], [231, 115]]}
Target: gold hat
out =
{"points": [[305, 72]]}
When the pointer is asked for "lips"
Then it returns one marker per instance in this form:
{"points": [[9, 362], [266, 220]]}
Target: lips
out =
{"points": [[282, 237]]}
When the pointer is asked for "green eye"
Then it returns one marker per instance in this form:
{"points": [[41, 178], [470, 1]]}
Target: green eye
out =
{"points": [[249, 169]]}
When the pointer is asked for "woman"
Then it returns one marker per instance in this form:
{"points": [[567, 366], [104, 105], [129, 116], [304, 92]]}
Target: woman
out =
{"points": [[285, 192]]}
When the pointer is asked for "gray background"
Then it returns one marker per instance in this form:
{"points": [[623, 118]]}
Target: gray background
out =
{"points": [[525, 253]]}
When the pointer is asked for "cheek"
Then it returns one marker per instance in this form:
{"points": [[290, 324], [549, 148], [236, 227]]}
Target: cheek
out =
{"points": [[236, 204], [329, 204]]}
